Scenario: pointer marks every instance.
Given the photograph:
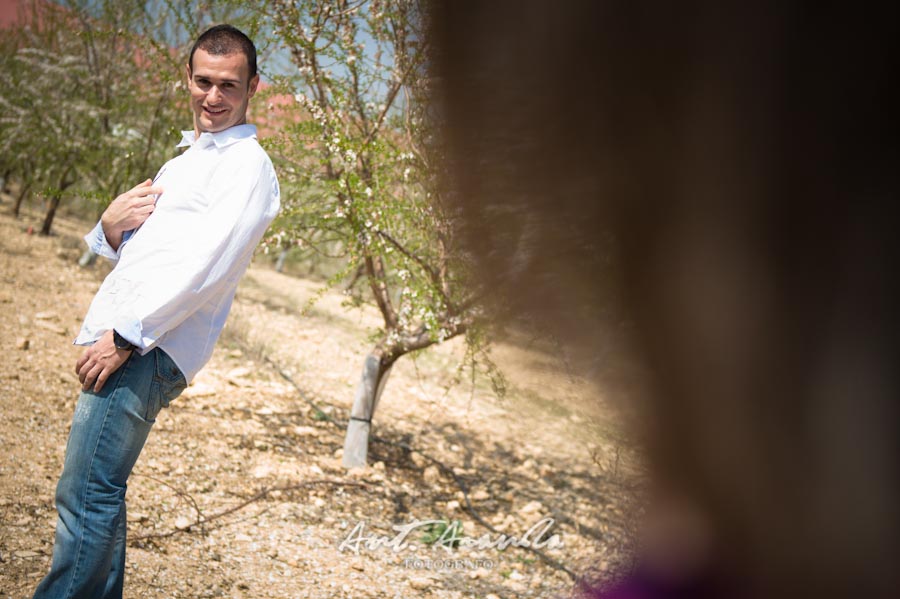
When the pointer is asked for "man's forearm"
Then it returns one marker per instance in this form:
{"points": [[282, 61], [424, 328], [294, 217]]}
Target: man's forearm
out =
{"points": [[113, 234], [128, 211]]}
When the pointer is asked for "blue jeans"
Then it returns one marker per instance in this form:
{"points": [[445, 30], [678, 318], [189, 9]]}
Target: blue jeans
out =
{"points": [[108, 432]]}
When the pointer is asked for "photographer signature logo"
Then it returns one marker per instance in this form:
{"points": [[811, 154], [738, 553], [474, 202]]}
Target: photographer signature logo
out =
{"points": [[451, 538]]}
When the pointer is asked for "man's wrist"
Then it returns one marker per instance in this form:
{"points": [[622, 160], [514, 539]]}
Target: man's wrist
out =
{"points": [[122, 343], [112, 234]]}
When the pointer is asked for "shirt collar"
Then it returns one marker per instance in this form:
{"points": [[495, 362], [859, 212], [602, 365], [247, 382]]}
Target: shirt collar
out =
{"points": [[220, 139]]}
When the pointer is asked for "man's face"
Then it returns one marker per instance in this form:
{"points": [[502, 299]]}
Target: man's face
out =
{"points": [[221, 88]]}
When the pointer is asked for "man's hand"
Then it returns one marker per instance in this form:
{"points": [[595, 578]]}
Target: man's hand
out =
{"points": [[99, 361], [128, 211]]}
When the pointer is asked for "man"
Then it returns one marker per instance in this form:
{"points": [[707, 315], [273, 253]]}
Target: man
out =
{"points": [[181, 244]]}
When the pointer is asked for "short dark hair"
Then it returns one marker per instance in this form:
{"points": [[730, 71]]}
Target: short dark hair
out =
{"points": [[221, 40]]}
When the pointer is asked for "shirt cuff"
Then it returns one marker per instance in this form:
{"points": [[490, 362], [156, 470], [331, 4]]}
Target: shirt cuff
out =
{"points": [[97, 243], [130, 329]]}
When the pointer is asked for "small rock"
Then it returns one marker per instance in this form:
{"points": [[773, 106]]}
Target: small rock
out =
{"points": [[357, 472], [46, 316], [503, 521], [514, 586], [420, 583], [199, 390], [431, 474], [240, 371], [480, 495], [183, 523], [26, 553], [532, 508], [310, 431], [49, 326], [23, 343], [262, 471], [235, 375]]}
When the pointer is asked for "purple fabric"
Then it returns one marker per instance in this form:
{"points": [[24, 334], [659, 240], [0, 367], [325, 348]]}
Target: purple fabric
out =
{"points": [[641, 586]]}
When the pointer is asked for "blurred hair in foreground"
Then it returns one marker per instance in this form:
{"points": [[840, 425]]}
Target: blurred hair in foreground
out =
{"points": [[719, 175]]}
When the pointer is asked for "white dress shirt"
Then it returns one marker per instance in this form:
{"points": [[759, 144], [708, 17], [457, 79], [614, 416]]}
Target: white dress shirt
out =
{"points": [[176, 275]]}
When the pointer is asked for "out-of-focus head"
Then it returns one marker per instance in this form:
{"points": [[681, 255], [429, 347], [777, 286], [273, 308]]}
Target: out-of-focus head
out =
{"points": [[714, 181]]}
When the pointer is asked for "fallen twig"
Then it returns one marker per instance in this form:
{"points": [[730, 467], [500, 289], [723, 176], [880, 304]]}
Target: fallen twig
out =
{"points": [[256, 497]]}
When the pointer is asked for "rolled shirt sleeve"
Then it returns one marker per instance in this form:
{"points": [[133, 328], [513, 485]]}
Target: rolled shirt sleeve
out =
{"points": [[97, 243]]}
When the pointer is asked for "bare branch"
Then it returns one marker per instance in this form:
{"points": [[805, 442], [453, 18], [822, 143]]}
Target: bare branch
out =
{"points": [[392, 95]]}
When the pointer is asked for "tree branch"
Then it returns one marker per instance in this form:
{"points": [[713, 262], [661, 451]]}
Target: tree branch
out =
{"points": [[392, 95], [432, 273]]}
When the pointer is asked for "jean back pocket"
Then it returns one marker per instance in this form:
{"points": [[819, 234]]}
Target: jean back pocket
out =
{"points": [[169, 379]]}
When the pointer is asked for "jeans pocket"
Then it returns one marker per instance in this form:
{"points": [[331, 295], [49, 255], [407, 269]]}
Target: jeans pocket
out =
{"points": [[169, 381]]}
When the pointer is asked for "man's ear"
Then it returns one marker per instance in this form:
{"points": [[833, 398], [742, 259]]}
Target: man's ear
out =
{"points": [[187, 70], [251, 87]]}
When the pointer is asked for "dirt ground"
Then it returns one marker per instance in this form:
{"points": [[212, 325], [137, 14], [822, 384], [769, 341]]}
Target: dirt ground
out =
{"points": [[240, 490]]}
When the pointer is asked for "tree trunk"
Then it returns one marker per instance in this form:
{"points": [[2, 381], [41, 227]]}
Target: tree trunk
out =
{"points": [[87, 258], [51, 212], [360, 271], [279, 264], [374, 376], [23, 191]]}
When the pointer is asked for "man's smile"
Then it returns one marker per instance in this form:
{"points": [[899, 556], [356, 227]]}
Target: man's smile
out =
{"points": [[214, 111]]}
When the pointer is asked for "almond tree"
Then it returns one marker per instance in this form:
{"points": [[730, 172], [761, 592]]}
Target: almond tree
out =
{"points": [[358, 170], [44, 118], [89, 105]]}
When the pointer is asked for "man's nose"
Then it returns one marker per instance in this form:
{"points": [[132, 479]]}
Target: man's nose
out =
{"points": [[214, 94]]}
